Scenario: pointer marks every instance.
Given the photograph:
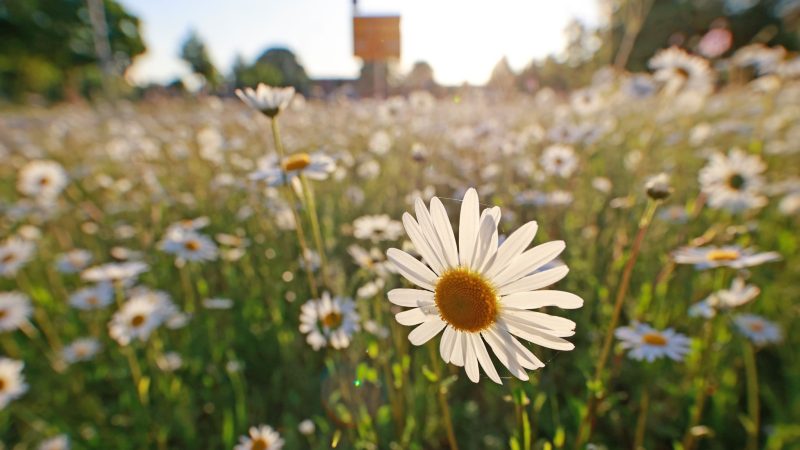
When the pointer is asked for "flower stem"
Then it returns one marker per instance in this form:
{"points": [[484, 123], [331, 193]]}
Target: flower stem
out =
{"points": [[752, 396], [442, 395], [315, 228], [700, 396], [188, 289], [641, 422], [585, 430]]}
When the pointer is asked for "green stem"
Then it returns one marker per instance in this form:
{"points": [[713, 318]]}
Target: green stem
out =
{"points": [[700, 395], [188, 289], [315, 228], [641, 422], [442, 395], [752, 396]]}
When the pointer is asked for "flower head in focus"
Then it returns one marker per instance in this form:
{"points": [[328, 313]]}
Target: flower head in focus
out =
{"points": [[267, 99]]}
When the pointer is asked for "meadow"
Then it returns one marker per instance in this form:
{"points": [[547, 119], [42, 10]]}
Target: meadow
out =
{"points": [[159, 260]]}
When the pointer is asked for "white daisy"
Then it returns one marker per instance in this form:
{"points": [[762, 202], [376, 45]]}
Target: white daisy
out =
{"points": [[306, 427], [12, 383], [373, 260], [188, 225], [658, 187], [217, 303], [125, 272], [733, 182], [559, 160], [82, 349], [267, 99], [60, 442], [92, 297], [169, 362], [738, 294], [14, 253], [647, 343], [315, 166], [727, 256], [189, 246], [262, 437], [15, 310], [479, 290], [758, 329], [679, 70], [42, 180], [73, 261], [377, 228], [329, 321], [139, 316]]}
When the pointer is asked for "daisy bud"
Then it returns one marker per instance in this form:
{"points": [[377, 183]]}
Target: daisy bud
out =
{"points": [[657, 187]]}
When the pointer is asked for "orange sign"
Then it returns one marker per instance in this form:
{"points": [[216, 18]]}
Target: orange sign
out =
{"points": [[376, 38]]}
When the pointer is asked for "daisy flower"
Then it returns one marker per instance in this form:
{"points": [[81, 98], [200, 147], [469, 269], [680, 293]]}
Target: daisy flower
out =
{"points": [[315, 166], [42, 180], [306, 427], [73, 261], [267, 99], [733, 181], [14, 253], [658, 187], [377, 228], [92, 297], [329, 321], [189, 246], [169, 362], [477, 290], [758, 329], [217, 303], [727, 256], [139, 316], [738, 294], [82, 349], [262, 437], [125, 272], [647, 343], [60, 442], [15, 310], [559, 160], [681, 71], [188, 225], [12, 383]]}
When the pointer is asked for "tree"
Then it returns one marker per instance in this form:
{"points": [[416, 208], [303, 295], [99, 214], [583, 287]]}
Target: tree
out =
{"points": [[47, 47], [194, 52], [420, 77], [285, 62], [250, 75]]}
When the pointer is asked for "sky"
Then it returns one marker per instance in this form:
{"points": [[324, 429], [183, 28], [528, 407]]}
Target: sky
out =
{"points": [[461, 39]]}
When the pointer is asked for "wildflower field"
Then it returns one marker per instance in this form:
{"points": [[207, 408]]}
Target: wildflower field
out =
{"points": [[218, 273]]}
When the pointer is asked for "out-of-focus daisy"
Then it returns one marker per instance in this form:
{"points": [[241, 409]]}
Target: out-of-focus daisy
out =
{"points": [[758, 329], [738, 294], [82, 349], [14, 253], [674, 214], [315, 166], [60, 442], [217, 303], [42, 180], [374, 328], [169, 362], [267, 99], [377, 228], [682, 71], [12, 382], [728, 256], [559, 160], [92, 297], [373, 260], [125, 272], [139, 316], [306, 427], [189, 246], [262, 437], [329, 321], [479, 290], [647, 343], [764, 59], [15, 310], [658, 187], [733, 181], [371, 288], [73, 261], [188, 225]]}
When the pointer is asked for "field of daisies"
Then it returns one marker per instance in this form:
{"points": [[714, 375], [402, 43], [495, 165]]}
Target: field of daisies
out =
{"points": [[612, 268]]}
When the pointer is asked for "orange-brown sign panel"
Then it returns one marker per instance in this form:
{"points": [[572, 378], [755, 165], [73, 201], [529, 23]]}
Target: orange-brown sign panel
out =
{"points": [[376, 38]]}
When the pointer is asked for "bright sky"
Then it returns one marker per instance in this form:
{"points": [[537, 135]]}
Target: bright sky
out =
{"points": [[461, 39]]}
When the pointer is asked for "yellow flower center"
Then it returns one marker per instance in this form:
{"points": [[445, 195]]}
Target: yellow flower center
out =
{"points": [[298, 161], [2, 313], [137, 320], [736, 182], [466, 300], [757, 327], [81, 352], [191, 246], [2, 384], [722, 255], [8, 258], [654, 339], [332, 320], [92, 300], [259, 444], [44, 181]]}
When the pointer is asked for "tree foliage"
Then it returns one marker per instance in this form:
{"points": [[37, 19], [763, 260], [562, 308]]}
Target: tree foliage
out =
{"points": [[195, 53]]}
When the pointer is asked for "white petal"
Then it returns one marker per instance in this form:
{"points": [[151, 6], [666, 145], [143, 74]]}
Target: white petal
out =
{"points": [[536, 335], [429, 231], [447, 343], [495, 213], [541, 320], [505, 353], [413, 270], [426, 331], [422, 245], [512, 247], [487, 242], [484, 359], [471, 361], [540, 299], [535, 281], [468, 227], [417, 315], [459, 349], [529, 261], [410, 297], [446, 236]]}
